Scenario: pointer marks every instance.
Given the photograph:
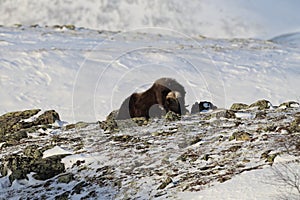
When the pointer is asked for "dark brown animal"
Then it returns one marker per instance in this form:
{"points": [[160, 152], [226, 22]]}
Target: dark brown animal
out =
{"points": [[166, 94]]}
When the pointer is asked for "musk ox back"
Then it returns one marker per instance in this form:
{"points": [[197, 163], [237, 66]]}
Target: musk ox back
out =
{"points": [[166, 94]]}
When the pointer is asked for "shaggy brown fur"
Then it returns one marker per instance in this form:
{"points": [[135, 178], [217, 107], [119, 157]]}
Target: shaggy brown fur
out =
{"points": [[165, 92]]}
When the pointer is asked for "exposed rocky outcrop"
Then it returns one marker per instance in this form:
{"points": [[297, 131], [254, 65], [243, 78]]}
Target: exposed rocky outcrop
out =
{"points": [[15, 125], [31, 160], [125, 159]]}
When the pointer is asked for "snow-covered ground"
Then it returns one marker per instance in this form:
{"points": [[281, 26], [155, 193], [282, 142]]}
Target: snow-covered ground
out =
{"points": [[214, 18], [85, 74]]}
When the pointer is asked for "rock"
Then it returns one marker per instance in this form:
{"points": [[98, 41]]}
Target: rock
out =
{"points": [[14, 127], [241, 136], [48, 117], [261, 105], [289, 104], [32, 151], [229, 114], [110, 123], [66, 178], [63, 196], [295, 124], [238, 106], [79, 187], [31, 161], [171, 116], [78, 125], [261, 115], [140, 121], [48, 167], [165, 183]]}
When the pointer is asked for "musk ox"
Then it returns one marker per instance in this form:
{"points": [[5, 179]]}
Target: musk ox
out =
{"points": [[166, 94]]}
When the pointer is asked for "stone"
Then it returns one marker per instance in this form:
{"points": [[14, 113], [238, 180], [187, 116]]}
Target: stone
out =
{"points": [[241, 136], [48, 117], [295, 125], [229, 114], [171, 116], [165, 183], [110, 123], [289, 104], [238, 106], [66, 178], [261, 104], [13, 126], [32, 151], [31, 161]]}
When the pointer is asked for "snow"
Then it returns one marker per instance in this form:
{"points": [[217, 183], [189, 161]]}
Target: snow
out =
{"points": [[257, 184], [84, 74], [214, 18], [55, 151], [220, 51]]}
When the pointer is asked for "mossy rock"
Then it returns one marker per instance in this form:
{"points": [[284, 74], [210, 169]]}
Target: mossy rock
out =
{"points": [[48, 167], [171, 116], [33, 151], [238, 106], [295, 125], [21, 165], [165, 183], [110, 123], [140, 121], [48, 117], [70, 26], [125, 138], [66, 178], [240, 136], [14, 128], [79, 187], [261, 104], [63, 196], [78, 125], [228, 114], [289, 104]]}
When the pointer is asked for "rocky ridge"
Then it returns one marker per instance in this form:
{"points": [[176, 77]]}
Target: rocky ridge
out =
{"points": [[134, 159]]}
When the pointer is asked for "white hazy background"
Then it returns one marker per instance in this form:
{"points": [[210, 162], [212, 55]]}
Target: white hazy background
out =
{"points": [[212, 18]]}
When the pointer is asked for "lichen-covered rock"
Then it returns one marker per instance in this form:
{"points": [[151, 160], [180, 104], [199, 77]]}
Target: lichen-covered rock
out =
{"points": [[110, 123], [261, 104], [48, 117], [31, 161], [66, 178], [289, 104], [12, 123], [140, 121], [295, 124], [33, 151], [78, 125], [14, 127], [229, 114], [238, 106], [241, 136], [171, 116], [165, 183]]}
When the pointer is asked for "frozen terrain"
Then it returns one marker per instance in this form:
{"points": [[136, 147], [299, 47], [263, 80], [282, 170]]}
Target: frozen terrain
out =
{"points": [[85, 74], [249, 154], [213, 18]]}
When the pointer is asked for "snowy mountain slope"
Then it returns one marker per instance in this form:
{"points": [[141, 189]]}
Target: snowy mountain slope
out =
{"points": [[214, 18], [85, 74], [210, 155]]}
